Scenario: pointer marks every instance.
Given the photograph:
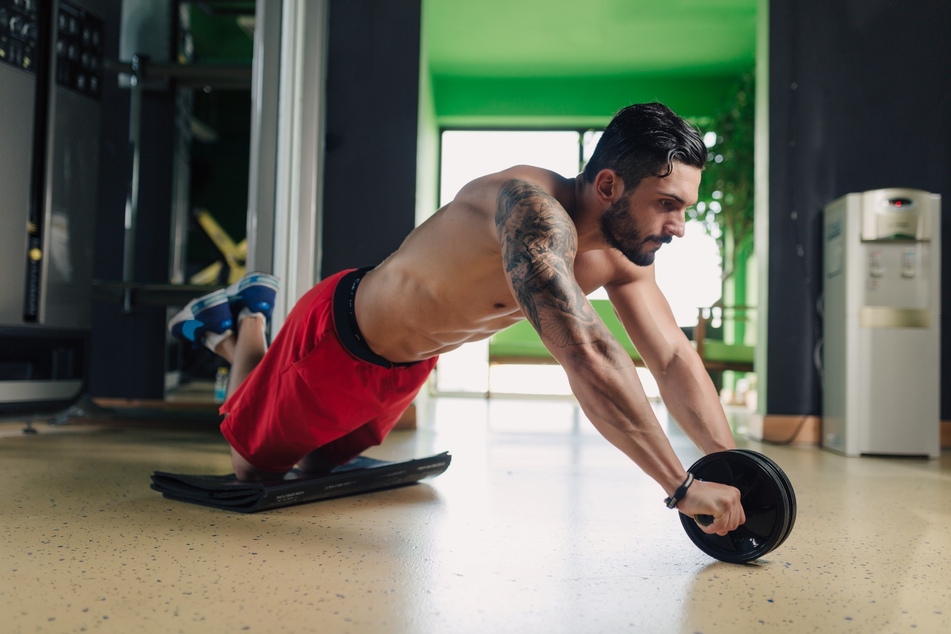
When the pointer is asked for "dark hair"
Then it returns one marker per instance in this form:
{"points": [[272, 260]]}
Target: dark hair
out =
{"points": [[644, 140]]}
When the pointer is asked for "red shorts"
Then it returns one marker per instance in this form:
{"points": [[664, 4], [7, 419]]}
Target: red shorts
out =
{"points": [[319, 386]]}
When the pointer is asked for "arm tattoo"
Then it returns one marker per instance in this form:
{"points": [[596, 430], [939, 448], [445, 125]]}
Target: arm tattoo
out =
{"points": [[539, 243]]}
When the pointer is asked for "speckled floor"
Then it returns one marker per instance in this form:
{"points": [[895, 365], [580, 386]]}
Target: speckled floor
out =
{"points": [[538, 526]]}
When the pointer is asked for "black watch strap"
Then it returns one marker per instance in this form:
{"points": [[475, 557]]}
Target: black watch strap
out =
{"points": [[679, 494]]}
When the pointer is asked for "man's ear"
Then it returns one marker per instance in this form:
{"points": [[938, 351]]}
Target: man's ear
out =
{"points": [[608, 186]]}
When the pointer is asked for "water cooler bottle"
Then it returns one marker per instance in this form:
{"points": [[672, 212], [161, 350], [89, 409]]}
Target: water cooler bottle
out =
{"points": [[881, 326]]}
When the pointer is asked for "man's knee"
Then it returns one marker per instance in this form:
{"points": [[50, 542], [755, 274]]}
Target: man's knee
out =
{"points": [[315, 463], [247, 472]]}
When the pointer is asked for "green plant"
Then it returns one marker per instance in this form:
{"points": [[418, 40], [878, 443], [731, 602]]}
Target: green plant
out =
{"points": [[725, 203]]}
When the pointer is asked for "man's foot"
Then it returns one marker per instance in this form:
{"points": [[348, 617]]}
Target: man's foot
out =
{"points": [[206, 320], [253, 294]]}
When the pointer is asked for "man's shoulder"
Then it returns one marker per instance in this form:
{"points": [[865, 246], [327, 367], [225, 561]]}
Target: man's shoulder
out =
{"points": [[546, 180], [514, 184]]}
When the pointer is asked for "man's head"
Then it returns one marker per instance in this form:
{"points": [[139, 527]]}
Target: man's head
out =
{"points": [[637, 223], [657, 157], [645, 140]]}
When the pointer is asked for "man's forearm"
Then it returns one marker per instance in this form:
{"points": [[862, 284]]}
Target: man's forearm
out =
{"points": [[615, 402], [692, 400]]}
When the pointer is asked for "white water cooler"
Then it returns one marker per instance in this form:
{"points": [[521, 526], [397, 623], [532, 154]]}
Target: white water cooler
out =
{"points": [[881, 326]]}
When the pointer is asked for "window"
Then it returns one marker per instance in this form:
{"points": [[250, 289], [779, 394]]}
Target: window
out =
{"points": [[688, 270], [469, 154]]}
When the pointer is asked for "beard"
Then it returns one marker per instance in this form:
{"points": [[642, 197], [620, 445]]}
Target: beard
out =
{"points": [[620, 232]]}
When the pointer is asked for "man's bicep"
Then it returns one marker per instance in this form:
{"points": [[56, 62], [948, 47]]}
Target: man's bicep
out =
{"points": [[538, 246], [539, 243]]}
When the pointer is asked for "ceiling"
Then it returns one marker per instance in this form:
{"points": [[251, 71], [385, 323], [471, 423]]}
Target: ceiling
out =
{"points": [[557, 62], [557, 38], [591, 38]]}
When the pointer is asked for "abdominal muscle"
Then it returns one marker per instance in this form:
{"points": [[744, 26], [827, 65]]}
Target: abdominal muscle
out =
{"points": [[409, 312]]}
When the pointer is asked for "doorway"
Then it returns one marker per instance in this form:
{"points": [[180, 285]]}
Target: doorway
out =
{"points": [[688, 270]]}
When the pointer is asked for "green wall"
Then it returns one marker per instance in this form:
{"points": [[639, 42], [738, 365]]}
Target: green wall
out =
{"points": [[570, 101]]}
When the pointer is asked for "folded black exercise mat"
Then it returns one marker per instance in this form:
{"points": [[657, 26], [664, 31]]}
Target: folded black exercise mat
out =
{"points": [[361, 475]]}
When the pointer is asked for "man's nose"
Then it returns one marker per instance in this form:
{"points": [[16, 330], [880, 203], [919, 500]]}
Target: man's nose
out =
{"points": [[675, 226]]}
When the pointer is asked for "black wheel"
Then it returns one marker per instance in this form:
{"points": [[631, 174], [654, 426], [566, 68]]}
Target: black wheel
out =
{"points": [[784, 479], [767, 498]]}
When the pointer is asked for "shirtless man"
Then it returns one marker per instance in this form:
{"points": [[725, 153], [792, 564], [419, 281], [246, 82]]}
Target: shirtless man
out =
{"points": [[524, 243]]}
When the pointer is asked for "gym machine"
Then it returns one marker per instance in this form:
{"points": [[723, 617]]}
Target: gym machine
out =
{"points": [[50, 82], [153, 77]]}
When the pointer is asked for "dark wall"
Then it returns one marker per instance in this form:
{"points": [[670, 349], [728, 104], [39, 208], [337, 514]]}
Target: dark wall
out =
{"points": [[372, 119], [128, 350], [370, 179], [860, 99]]}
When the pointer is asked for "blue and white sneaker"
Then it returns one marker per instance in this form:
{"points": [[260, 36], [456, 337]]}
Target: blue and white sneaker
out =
{"points": [[206, 320], [253, 294]]}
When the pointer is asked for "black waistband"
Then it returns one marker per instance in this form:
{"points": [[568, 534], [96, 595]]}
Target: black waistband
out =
{"points": [[345, 320]]}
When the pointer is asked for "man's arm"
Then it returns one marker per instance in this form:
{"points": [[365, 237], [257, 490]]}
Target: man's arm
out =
{"points": [[685, 386], [539, 245]]}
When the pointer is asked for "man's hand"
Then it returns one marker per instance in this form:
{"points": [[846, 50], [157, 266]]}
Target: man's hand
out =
{"points": [[720, 501]]}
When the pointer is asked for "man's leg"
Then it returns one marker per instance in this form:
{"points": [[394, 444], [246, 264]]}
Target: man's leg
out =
{"points": [[245, 351], [252, 301], [247, 472], [232, 323]]}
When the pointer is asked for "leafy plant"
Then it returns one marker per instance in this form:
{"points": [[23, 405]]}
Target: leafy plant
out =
{"points": [[725, 203]]}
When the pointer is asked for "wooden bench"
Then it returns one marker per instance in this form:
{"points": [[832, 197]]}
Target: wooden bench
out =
{"points": [[717, 355]]}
